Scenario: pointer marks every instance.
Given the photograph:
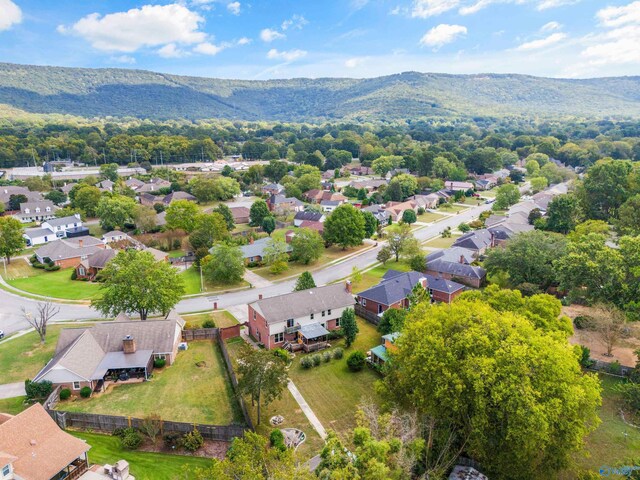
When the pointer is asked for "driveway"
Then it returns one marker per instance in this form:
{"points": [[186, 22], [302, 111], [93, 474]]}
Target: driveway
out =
{"points": [[10, 390], [256, 280]]}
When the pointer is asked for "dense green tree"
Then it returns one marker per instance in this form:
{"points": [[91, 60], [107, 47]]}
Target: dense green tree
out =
{"points": [[227, 214], [305, 281], [386, 163], [86, 198], [344, 227], [210, 228], [349, 326], [398, 237], [605, 188], [56, 196], [307, 246], [628, 221], [225, 188], [563, 213], [133, 281], [225, 264], [506, 195], [392, 320], [538, 184], [409, 216], [370, 223], [144, 218], [258, 211], [384, 255], [182, 215], [268, 224], [16, 200], [463, 363], [275, 251], [109, 171], [11, 239], [115, 211], [275, 170]]}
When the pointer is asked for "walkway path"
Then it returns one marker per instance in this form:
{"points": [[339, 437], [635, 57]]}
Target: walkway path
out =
{"points": [[315, 422], [11, 390], [256, 280]]}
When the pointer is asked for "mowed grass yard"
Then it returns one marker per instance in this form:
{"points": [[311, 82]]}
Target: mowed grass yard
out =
{"points": [[440, 242], [192, 283], [285, 406], [374, 276], [222, 319], [13, 406], [331, 389], [428, 217], [143, 465], [196, 388]]}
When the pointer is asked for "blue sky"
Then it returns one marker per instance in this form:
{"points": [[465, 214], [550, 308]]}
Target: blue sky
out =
{"points": [[260, 39]]}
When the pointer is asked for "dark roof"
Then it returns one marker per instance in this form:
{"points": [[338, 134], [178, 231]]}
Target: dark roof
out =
{"points": [[453, 255], [456, 269], [394, 287], [501, 232], [178, 196], [58, 222], [474, 240], [309, 215], [101, 258]]}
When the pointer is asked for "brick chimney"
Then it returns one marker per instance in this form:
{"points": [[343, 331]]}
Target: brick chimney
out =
{"points": [[129, 344], [80, 242], [423, 282], [250, 240], [259, 296], [348, 286], [462, 259]]}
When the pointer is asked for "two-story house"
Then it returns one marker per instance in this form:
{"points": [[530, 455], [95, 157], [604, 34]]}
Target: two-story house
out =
{"points": [[36, 211], [55, 228], [300, 320]]}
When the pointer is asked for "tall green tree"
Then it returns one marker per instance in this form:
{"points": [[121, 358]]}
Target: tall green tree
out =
{"points": [[183, 215], [307, 246], [563, 213], [305, 281], [409, 217], [344, 227], [224, 265], [227, 214], [349, 326], [268, 224], [210, 228], [605, 188], [628, 221], [462, 363], [11, 239], [133, 281], [506, 195], [258, 211], [86, 198], [370, 223], [115, 211], [144, 218], [109, 171], [399, 236], [263, 376]]}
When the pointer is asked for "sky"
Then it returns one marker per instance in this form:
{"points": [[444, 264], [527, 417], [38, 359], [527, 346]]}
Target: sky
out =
{"points": [[263, 39]]}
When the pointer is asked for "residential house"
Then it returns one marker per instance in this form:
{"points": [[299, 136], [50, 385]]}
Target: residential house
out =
{"points": [[91, 266], [319, 196], [427, 202], [359, 171], [371, 185], [154, 185], [158, 255], [330, 205], [133, 183], [67, 187], [454, 186], [36, 211], [69, 252], [149, 199], [240, 215], [300, 320], [328, 174], [55, 228], [116, 236], [466, 274], [280, 203], [105, 186], [178, 196], [91, 356], [33, 447], [485, 184], [254, 251], [394, 290], [477, 240], [396, 171], [397, 209], [272, 189], [379, 213], [379, 355], [7, 191], [317, 226], [308, 216], [454, 255]]}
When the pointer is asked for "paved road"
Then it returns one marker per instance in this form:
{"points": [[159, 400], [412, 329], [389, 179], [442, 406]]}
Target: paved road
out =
{"points": [[11, 390], [11, 318]]}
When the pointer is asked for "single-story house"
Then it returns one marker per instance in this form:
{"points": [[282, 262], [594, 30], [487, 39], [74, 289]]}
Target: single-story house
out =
{"points": [[33, 447], [359, 171], [69, 252], [397, 209], [36, 211], [7, 191], [371, 185], [319, 196], [254, 251], [379, 355], [133, 183], [300, 320], [94, 263], [281, 203], [159, 255], [454, 254], [317, 226], [178, 196], [154, 185], [396, 171], [379, 213], [105, 185], [87, 357], [240, 215], [272, 189], [425, 201], [469, 275], [330, 205], [308, 216], [149, 199], [458, 186], [116, 236]]}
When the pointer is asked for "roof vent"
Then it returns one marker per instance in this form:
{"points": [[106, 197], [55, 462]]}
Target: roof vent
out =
{"points": [[33, 442]]}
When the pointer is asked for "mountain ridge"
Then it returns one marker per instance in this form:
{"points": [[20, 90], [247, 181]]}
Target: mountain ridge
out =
{"points": [[120, 92]]}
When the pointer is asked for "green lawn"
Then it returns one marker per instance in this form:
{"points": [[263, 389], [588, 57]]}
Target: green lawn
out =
{"points": [[372, 277], [428, 217], [144, 465], [96, 230], [192, 283], [448, 208], [222, 319], [12, 406], [183, 392], [331, 389], [23, 357], [285, 406], [613, 443], [440, 242], [55, 284]]}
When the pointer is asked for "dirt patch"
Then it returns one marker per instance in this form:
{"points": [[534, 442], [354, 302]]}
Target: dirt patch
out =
{"points": [[211, 449], [201, 364]]}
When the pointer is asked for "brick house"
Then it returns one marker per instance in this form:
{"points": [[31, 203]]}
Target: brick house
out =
{"points": [[69, 252], [299, 320], [319, 196], [466, 274], [240, 215], [281, 204], [33, 447], [94, 263], [89, 357], [254, 251]]}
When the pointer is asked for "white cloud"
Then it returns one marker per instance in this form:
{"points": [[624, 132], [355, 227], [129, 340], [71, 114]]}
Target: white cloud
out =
{"points": [[295, 22], [442, 34], [286, 55], [170, 50], [148, 26], [550, 27], [355, 62], [123, 59], [208, 48], [358, 4], [10, 14], [543, 42], [429, 8], [269, 35], [546, 4], [476, 6], [618, 16], [234, 8], [244, 41]]}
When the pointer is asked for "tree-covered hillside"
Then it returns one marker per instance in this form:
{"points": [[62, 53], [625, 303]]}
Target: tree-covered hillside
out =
{"points": [[143, 94]]}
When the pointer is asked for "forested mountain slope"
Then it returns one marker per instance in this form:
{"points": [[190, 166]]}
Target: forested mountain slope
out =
{"points": [[144, 94]]}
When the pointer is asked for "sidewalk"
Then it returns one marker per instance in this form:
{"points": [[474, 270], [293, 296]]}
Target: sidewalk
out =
{"points": [[11, 390], [315, 422]]}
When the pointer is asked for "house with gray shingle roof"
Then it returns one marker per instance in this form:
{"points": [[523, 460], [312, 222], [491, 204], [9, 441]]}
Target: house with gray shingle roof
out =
{"points": [[300, 320], [469, 275], [477, 240], [254, 251], [36, 211], [69, 252]]}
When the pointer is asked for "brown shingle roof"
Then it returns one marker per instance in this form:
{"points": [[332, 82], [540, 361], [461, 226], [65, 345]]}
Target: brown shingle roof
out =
{"points": [[41, 448]]}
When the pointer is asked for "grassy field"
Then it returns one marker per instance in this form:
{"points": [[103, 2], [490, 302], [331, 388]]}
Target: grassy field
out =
{"points": [[428, 217], [440, 242], [192, 282], [144, 465], [449, 208], [331, 389], [51, 284], [183, 392], [372, 277], [222, 319], [12, 406], [24, 357], [285, 406]]}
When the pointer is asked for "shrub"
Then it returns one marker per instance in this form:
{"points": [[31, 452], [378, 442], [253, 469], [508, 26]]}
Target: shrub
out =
{"points": [[282, 354], [38, 390], [421, 210], [276, 438], [584, 356], [85, 392], [356, 361], [65, 393], [316, 359], [326, 356], [51, 267], [33, 259], [122, 432], [192, 441], [74, 275], [159, 363], [338, 353], [172, 439], [615, 368], [209, 324], [418, 263], [582, 322], [306, 362], [38, 265], [131, 440], [333, 334]]}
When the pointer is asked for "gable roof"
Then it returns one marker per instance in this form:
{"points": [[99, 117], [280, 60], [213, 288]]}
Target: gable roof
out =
{"points": [[40, 447], [394, 287], [309, 215], [42, 204], [100, 258], [474, 240], [178, 196], [69, 248], [300, 304], [59, 222], [240, 212], [454, 255], [456, 269], [256, 249]]}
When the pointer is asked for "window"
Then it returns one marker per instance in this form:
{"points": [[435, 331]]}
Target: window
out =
{"points": [[254, 314], [81, 271], [278, 337], [323, 313], [6, 470], [76, 385], [329, 312], [323, 325], [290, 323], [364, 302], [160, 357], [337, 322], [312, 316], [379, 308]]}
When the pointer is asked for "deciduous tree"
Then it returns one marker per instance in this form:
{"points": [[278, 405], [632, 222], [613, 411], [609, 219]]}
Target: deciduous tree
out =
{"points": [[506, 196], [11, 239], [304, 282], [258, 211], [182, 215], [224, 265], [344, 227], [307, 246], [115, 211], [40, 319], [349, 326], [268, 224]]}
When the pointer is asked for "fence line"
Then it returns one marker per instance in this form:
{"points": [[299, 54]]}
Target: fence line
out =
{"points": [[234, 382], [366, 314], [600, 366], [200, 334]]}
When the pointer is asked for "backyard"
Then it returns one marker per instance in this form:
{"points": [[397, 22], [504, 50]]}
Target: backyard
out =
{"points": [[222, 319], [439, 242], [196, 388], [144, 465]]}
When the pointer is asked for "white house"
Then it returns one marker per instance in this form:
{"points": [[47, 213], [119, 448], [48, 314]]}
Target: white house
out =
{"points": [[36, 211], [54, 229]]}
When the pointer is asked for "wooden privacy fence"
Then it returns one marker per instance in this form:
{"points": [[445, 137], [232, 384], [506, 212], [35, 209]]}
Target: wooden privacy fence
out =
{"points": [[234, 382], [109, 423], [366, 314], [200, 334]]}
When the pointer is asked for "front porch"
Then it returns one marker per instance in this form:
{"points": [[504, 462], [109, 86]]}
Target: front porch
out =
{"points": [[74, 470]]}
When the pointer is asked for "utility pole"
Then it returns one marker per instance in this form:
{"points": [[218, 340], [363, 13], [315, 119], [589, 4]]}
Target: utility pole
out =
{"points": [[201, 279]]}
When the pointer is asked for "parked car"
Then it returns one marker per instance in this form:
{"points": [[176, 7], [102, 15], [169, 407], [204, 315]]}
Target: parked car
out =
{"points": [[491, 200], [1, 333]]}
